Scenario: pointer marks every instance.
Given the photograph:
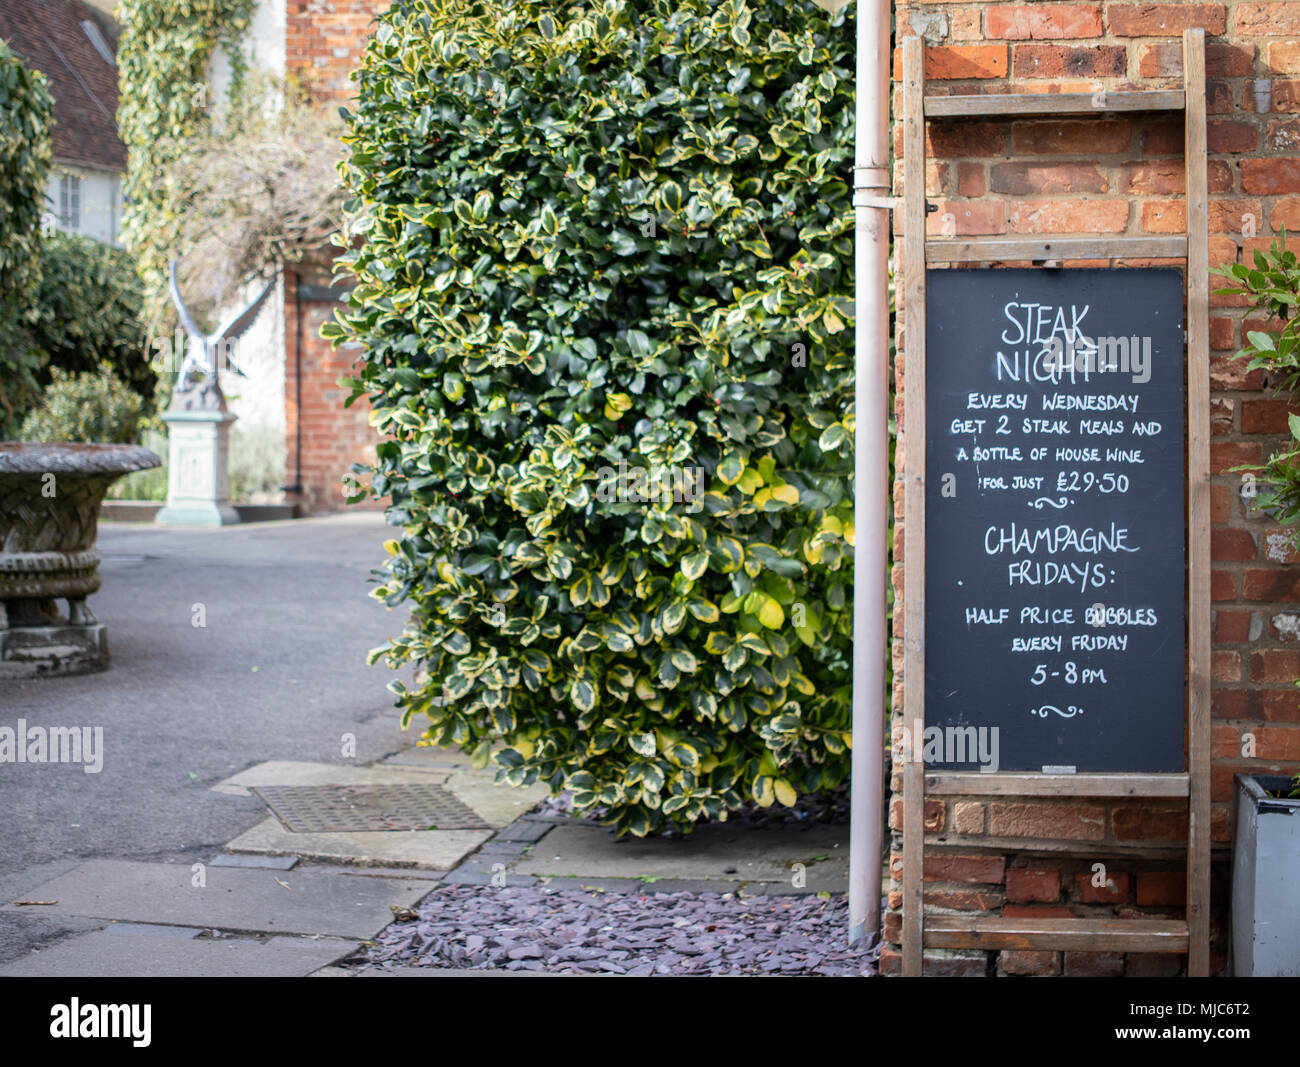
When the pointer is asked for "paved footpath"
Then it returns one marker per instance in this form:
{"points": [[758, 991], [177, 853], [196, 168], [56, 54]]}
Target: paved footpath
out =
{"points": [[227, 831]]}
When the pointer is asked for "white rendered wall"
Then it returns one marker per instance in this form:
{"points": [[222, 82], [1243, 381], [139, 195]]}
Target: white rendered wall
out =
{"points": [[101, 203], [258, 398]]}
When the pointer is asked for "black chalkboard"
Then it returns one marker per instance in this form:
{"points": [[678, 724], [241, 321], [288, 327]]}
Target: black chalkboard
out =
{"points": [[1055, 551]]}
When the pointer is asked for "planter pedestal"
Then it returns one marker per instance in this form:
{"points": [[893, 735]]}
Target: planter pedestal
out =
{"points": [[49, 513], [198, 473]]}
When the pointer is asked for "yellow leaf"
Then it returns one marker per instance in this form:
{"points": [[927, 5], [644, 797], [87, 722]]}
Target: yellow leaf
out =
{"points": [[770, 614], [787, 494], [391, 547], [813, 551], [762, 497], [785, 792], [526, 748], [850, 533], [833, 525]]}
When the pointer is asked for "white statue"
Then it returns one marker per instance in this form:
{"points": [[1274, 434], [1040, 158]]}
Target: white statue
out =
{"points": [[197, 385]]}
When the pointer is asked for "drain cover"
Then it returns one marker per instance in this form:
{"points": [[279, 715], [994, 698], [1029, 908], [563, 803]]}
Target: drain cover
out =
{"points": [[308, 809]]}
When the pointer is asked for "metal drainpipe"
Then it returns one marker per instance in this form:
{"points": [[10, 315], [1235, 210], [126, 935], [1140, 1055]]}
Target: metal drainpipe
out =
{"points": [[871, 182], [297, 382]]}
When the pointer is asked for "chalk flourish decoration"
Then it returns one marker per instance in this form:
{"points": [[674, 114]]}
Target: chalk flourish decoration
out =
{"points": [[1069, 713], [1038, 504]]}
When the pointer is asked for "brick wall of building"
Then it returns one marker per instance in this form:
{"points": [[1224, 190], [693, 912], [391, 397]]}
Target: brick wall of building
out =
{"points": [[1121, 175], [324, 42], [333, 438]]}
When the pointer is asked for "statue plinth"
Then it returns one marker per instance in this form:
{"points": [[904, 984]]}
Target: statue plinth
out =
{"points": [[198, 477], [198, 471]]}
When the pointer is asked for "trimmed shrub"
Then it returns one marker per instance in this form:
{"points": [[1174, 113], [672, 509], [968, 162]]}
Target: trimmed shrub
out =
{"points": [[94, 406], [26, 112], [603, 291], [90, 305]]}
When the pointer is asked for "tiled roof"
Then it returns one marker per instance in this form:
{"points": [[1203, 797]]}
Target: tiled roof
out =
{"points": [[49, 36]]}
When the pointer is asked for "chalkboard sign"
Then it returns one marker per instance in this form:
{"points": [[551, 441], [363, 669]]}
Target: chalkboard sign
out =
{"points": [[1055, 554]]}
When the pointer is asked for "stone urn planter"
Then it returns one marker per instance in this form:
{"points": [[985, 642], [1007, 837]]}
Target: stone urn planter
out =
{"points": [[49, 517], [1265, 874]]}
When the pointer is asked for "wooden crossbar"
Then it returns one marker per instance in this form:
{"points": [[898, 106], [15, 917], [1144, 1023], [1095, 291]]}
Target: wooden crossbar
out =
{"points": [[973, 783], [1190, 936], [994, 104], [1077, 935], [1039, 249]]}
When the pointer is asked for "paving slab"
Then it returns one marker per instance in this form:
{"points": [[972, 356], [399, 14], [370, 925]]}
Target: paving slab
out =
{"points": [[497, 805], [293, 772], [106, 954], [714, 852], [526, 830], [278, 863], [303, 902], [431, 756], [438, 850], [391, 872], [182, 933]]}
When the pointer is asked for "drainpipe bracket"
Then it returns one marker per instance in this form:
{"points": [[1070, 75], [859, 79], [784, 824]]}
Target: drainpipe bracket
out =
{"points": [[889, 203]]}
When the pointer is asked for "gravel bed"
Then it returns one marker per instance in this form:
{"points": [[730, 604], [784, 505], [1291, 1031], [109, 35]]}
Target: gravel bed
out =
{"points": [[572, 930]]}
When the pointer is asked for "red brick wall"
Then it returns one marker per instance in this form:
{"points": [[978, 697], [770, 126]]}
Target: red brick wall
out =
{"points": [[333, 438], [1123, 175], [324, 42]]}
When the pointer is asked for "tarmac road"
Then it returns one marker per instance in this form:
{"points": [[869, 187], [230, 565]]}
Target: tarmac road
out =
{"points": [[277, 671]]}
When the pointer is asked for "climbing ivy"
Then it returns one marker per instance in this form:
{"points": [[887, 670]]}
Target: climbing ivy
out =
{"points": [[26, 111], [164, 102]]}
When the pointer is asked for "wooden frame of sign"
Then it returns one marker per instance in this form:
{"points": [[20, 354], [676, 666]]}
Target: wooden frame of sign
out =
{"points": [[1190, 936]]}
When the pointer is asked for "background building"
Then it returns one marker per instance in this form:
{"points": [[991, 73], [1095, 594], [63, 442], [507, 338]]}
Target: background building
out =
{"points": [[73, 44]]}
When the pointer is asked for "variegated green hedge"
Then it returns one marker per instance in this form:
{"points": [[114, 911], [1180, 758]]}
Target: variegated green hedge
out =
{"points": [[602, 290]]}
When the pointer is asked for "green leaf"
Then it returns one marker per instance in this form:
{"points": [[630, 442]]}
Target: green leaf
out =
{"points": [[583, 694], [683, 661], [832, 437], [643, 744], [694, 565], [731, 468]]}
